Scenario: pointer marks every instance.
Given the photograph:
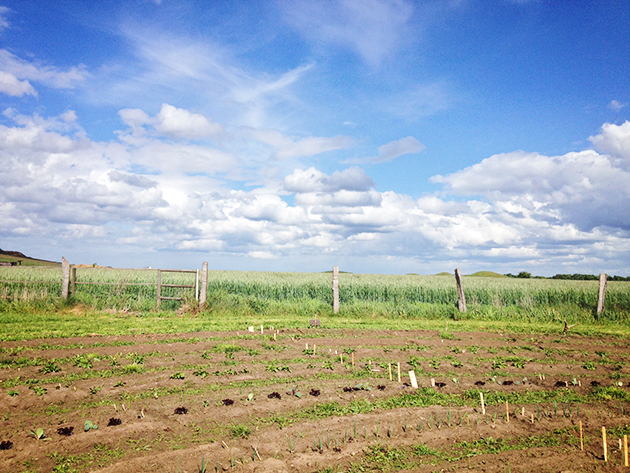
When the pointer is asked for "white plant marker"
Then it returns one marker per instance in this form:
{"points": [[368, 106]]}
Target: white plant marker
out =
{"points": [[414, 381]]}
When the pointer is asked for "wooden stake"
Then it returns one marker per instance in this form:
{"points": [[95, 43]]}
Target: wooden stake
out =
{"points": [[341, 357], [274, 336], [432, 382], [414, 381], [523, 412], [532, 418], [625, 451], [261, 329], [390, 371], [307, 346], [581, 436], [507, 412], [483, 406], [352, 358], [605, 444], [314, 349], [399, 371]]}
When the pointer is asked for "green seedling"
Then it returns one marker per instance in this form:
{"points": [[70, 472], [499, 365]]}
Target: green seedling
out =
{"points": [[250, 397], [89, 425], [13, 393], [177, 375], [39, 434]]}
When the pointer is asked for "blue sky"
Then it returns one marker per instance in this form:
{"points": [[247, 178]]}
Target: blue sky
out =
{"points": [[380, 136]]}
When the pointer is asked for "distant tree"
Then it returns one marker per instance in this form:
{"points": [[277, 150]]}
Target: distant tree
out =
{"points": [[524, 275]]}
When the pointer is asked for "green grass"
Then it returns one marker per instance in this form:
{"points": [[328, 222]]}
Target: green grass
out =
{"points": [[34, 309]]}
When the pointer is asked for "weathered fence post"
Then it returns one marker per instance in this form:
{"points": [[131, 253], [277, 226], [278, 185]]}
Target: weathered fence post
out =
{"points": [[335, 289], [159, 287], [197, 285], [461, 299], [65, 278], [74, 280], [603, 280], [204, 284]]}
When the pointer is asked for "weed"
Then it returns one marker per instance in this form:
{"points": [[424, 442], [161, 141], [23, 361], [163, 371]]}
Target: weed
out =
{"points": [[240, 431]]}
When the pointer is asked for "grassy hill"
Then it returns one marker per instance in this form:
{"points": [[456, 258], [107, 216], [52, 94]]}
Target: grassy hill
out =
{"points": [[486, 274], [11, 256]]}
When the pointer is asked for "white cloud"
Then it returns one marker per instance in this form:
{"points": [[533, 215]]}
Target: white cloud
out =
{"points": [[178, 123], [313, 180], [11, 85], [4, 23], [374, 29], [616, 105], [50, 76], [614, 140], [561, 211], [287, 147], [393, 150]]}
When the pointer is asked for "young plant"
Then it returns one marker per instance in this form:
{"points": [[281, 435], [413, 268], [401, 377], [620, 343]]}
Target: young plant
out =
{"points": [[39, 434], [89, 425]]}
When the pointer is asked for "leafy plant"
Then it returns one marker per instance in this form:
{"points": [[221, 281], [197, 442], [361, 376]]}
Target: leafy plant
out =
{"points": [[39, 390], [39, 434], [89, 425], [589, 365], [240, 431], [201, 373], [177, 375], [50, 367], [13, 393]]}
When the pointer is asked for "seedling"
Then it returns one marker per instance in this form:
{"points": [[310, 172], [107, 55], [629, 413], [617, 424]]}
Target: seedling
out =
{"points": [[39, 434], [13, 393], [177, 375], [89, 425], [250, 397], [295, 392]]}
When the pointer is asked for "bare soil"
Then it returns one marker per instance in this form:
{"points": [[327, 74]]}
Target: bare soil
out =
{"points": [[142, 380]]}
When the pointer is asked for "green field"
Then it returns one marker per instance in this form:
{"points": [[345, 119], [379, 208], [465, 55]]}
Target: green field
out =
{"points": [[288, 299]]}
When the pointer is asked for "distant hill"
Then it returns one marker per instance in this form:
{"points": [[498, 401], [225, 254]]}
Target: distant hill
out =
{"points": [[444, 273], [16, 256], [486, 274]]}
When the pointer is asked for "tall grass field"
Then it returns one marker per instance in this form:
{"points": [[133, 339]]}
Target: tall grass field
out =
{"points": [[310, 294]]}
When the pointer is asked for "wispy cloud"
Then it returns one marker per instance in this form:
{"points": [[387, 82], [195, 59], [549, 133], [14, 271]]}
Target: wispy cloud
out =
{"points": [[392, 150], [50, 76], [373, 29]]}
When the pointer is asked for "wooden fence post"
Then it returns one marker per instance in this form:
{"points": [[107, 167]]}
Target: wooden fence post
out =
{"points": [[335, 289], [601, 297], [74, 280], [159, 287], [461, 299], [203, 292], [65, 278]]}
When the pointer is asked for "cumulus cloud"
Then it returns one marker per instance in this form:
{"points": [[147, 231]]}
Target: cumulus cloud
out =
{"points": [[393, 150], [374, 29], [11, 85], [313, 180], [614, 140], [178, 123], [525, 207]]}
